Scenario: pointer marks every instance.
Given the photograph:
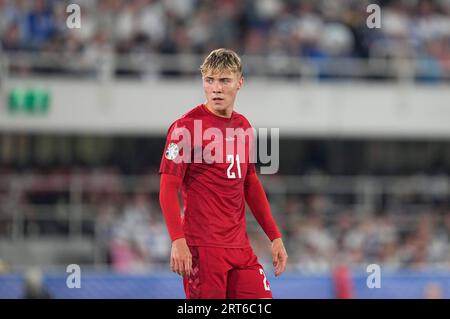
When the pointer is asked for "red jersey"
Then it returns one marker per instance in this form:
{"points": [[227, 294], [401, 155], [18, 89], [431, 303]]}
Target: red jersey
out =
{"points": [[212, 156]]}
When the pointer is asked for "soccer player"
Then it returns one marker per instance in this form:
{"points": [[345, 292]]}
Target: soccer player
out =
{"points": [[213, 170]]}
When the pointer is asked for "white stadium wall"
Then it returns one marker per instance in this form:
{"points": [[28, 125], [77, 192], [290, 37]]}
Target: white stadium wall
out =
{"points": [[297, 109]]}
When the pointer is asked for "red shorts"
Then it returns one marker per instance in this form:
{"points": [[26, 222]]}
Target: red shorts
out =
{"points": [[225, 273]]}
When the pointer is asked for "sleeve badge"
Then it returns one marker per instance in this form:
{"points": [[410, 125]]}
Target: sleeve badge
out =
{"points": [[172, 151]]}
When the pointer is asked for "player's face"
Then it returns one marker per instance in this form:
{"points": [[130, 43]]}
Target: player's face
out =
{"points": [[220, 90]]}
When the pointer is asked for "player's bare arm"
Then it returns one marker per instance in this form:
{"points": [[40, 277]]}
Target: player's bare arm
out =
{"points": [[279, 256], [180, 257]]}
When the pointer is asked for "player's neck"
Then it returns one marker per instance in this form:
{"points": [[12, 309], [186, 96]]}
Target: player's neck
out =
{"points": [[226, 113]]}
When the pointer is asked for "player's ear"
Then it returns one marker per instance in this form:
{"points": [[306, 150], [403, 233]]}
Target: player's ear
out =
{"points": [[241, 82]]}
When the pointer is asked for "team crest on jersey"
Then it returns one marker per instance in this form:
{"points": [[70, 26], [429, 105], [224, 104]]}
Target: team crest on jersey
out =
{"points": [[172, 151]]}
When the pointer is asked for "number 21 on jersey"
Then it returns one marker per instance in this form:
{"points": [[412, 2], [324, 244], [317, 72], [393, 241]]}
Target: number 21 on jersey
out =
{"points": [[230, 174]]}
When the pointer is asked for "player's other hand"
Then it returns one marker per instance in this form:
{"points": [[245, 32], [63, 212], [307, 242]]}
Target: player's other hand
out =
{"points": [[279, 256], [180, 257]]}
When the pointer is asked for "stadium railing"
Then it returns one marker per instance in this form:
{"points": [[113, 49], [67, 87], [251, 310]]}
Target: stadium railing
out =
{"points": [[104, 65]]}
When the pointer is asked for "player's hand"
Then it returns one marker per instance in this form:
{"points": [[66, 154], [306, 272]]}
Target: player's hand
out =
{"points": [[180, 257], [279, 256]]}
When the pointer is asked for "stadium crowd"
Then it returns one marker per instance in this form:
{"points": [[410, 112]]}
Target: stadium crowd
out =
{"points": [[320, 230], [316, 30]]}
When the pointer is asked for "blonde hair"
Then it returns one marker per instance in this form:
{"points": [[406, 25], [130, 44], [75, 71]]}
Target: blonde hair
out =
{"points": [[221, 60]]}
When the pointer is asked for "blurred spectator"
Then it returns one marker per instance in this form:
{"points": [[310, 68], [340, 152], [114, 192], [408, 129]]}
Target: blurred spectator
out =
{"points": [[433, 290], [34, 287], [127, 242], [11, 39], [138, 240], [4, 268], [41, 24]]}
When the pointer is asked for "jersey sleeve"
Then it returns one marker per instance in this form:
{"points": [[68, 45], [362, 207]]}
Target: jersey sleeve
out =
{"points": [[251, 156], [177, 151], [168, 199], [259, 205]]}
